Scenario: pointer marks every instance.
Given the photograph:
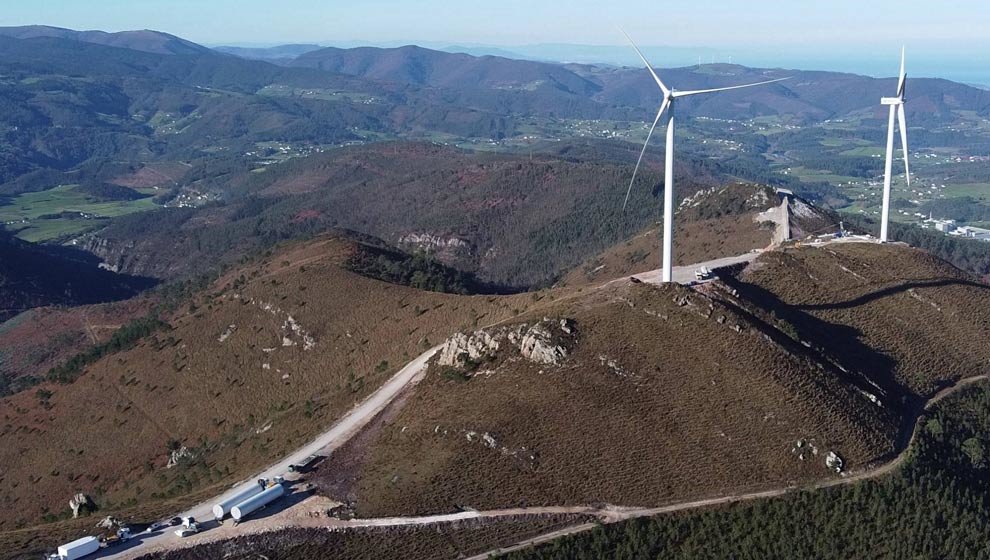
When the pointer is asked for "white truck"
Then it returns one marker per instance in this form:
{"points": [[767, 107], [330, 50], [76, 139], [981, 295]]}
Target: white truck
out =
{"points": [[703, 273], [76, 549], [189, 527]]}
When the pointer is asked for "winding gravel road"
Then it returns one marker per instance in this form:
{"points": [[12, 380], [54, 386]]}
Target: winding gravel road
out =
{"points": [[364, 412]]}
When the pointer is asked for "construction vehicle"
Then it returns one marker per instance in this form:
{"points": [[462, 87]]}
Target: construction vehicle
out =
{"points": [[703, 273], [122, 534], [307, 464]]}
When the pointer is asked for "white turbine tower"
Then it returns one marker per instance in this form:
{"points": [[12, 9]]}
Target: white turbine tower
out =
{"points": [[896, 106], [669, 96]]}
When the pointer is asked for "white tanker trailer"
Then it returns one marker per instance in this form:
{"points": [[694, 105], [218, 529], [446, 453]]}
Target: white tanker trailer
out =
{"points": [[254, 503], [223, 508]]}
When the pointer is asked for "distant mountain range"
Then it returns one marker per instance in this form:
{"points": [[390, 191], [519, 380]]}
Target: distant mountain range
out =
{"points": [[425, 67], [144, 40], [72, 97], [275, 54]]}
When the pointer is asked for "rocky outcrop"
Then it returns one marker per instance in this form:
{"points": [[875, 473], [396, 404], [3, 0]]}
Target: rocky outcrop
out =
{"points": [[546, 342], [80, 503], [176, 456], [447, 248], [539, 343], [462, 348]]}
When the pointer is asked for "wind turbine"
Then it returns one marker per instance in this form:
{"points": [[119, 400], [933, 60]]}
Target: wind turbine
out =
{"points": [[896, 106], [669, 96]]}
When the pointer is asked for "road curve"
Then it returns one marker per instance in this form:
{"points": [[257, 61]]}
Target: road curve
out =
{"points": [[333, 438], [632, 513], [605, 514], [362, 413]]}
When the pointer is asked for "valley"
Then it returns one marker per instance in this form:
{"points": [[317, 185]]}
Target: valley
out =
{"points": [[399, 288]]}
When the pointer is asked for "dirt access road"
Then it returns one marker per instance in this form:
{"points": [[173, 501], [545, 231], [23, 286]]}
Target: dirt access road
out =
{"points": [[341, 432], [333, 438], [295, 517], [363, 413]]}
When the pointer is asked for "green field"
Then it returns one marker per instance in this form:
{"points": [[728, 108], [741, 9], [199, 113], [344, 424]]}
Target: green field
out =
{"points": [[805, 174], [31, 206], [863, 151], [979, 191]]}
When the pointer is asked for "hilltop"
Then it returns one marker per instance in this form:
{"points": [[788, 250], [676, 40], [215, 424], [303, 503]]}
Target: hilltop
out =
{"points": [[658, 394], [907, 321], [247, 369], [716, 222], [144, 40]]}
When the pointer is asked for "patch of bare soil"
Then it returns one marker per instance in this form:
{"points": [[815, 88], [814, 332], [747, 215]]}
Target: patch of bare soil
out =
{"points": [[337, 476]]}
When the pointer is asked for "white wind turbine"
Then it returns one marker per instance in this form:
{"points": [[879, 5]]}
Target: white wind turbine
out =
{"points": [[669, 96], [896, 106]]}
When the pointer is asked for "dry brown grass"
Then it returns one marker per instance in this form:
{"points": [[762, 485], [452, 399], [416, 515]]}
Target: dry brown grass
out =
{"points": [[906, 320], [701, 403], [695, 242], [41, 338], [108, 433]]}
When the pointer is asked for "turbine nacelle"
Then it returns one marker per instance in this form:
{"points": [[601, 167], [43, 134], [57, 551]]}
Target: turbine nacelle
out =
{"points": [[669, 96], [896, 105]]}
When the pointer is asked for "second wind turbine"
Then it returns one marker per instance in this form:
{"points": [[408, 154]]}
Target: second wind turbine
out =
{"points": [[669, 96]]}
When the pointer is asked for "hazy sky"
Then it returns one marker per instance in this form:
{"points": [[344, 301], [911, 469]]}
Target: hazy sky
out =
{"points": [[948, 39], [726, 23]]}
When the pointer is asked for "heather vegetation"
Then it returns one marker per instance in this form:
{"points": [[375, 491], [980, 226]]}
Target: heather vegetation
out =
{"points": [[122, 339], [542, 433], [877, 311], [934, 506], [251, 367]]}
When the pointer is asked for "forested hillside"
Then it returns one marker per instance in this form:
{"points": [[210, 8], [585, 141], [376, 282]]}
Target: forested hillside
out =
{"points": [[32, 276], [514, 221]]}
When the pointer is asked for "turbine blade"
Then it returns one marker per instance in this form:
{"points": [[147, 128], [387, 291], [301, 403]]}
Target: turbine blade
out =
{"points": [[663, 107], [663, 88], [902, 123], [901, 77], [713, 90]]}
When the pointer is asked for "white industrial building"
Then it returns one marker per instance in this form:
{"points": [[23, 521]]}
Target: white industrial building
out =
{"points": [[973, 233]]}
